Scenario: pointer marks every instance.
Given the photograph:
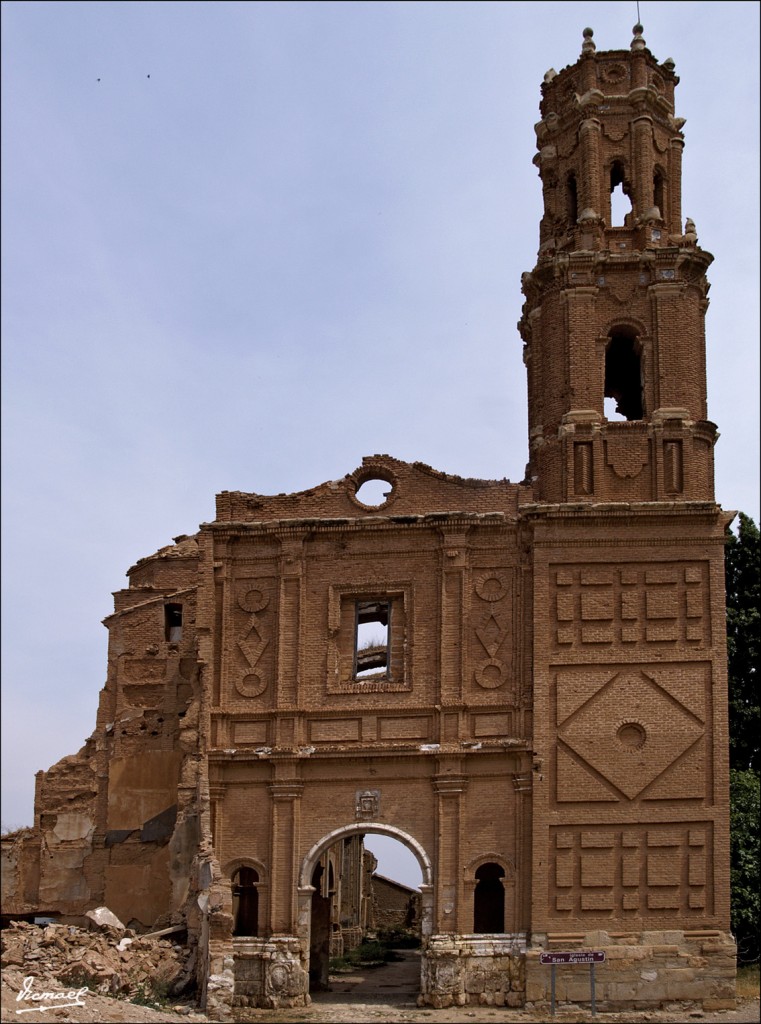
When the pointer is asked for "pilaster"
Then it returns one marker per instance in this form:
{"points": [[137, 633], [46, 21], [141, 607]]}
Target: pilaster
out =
{"points": [[449, 785], [285, 795]]}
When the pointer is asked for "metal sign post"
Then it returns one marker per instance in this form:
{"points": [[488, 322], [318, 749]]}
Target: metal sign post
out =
{"points": [[577, 956], [552, 990]]}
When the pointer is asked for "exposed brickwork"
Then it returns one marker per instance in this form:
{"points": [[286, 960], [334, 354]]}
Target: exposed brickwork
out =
{"points": [[540, 714], [395, 906]]}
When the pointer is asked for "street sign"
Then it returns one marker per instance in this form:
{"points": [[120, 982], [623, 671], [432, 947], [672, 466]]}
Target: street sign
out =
{"points": [[577, 956]]}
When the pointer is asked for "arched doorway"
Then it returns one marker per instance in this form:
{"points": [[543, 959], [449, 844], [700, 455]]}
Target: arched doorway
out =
{"points": [[342, 853]]}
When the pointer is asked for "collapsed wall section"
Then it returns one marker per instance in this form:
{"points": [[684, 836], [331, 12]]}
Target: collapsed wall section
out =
{"points": [[117, 823]]}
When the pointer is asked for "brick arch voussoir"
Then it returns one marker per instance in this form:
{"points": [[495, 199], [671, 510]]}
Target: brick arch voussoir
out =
{"points": [[363, 828]]}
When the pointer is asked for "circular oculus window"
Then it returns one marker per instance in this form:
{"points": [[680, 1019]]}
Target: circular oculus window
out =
{"points": [[374, 492]]}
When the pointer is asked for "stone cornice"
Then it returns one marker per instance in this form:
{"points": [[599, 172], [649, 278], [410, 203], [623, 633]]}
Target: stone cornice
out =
{"points": [[332, 525]]}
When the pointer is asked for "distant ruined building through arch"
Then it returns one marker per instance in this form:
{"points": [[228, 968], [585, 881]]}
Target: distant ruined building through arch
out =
{"points": [[524, 683]]}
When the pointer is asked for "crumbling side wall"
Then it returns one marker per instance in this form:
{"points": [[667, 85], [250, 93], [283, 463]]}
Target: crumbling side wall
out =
{"points": [[20, 872], [117, 824], [54, 867]]}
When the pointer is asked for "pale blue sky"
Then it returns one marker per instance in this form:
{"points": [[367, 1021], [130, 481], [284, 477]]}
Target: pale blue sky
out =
{"points": [[298, 242]]}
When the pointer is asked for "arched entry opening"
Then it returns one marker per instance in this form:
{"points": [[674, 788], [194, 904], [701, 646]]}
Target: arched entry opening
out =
{"points": [[334, 918]]}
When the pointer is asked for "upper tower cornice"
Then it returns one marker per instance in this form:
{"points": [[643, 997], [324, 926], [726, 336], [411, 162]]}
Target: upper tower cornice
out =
{"points": [[634, 75], [608, 122]]}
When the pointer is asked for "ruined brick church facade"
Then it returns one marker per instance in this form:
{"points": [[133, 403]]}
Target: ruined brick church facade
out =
{"points": [[523, 683]]}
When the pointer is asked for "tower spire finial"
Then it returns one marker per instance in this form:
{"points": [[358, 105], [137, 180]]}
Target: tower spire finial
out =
{"points": [[588, 45], [638, 43]]}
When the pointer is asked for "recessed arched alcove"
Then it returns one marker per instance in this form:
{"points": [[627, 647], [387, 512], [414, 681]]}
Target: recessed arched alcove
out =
{"points": [[489, 900], [245, 884]]}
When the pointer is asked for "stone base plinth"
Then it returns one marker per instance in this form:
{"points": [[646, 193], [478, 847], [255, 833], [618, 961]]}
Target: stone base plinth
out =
{"points": [[458, 970], [270, 973]]}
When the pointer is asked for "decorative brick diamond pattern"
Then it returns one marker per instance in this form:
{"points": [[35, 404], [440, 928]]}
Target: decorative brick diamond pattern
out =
{"points": [[631, 731]]}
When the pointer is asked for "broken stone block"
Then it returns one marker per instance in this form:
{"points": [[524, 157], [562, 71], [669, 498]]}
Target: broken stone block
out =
{"points": [[102, 917]]}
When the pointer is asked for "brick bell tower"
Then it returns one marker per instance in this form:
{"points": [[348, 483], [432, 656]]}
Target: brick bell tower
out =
{"points": [[629, 820], [615, 306]]}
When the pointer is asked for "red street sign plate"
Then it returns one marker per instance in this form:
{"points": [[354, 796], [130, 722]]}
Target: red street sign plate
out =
{"points": [[579, 956]]}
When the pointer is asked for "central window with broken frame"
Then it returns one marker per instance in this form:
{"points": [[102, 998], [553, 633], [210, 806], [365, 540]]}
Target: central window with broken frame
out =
{"points": [[368, 631], [372, 648]]}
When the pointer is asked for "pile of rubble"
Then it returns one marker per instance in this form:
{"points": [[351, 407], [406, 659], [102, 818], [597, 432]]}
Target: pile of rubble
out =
{"points": [[108, 959]]}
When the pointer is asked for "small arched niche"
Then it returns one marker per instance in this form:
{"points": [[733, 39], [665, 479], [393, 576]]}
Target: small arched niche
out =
{"points": [[489, 900], [245, 884], [623, 376]]}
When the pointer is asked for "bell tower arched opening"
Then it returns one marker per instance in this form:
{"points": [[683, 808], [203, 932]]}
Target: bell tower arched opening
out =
{"points": [[620, 203], [623, 376]]}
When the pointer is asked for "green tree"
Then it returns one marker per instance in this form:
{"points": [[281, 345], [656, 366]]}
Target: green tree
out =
{"points": [[745, 848], [743, 632], [743, 581]]}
